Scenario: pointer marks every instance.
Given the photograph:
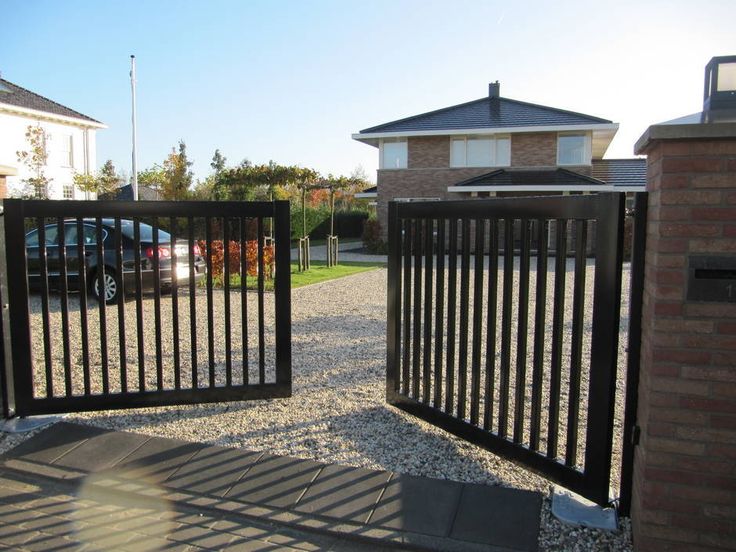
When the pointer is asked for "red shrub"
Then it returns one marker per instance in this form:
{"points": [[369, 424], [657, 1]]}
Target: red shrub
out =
{"points": [[251, 257]]}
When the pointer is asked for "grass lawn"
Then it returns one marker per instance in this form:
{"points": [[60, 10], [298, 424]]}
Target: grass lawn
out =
{"points": [[319, 272], [316, 243]]}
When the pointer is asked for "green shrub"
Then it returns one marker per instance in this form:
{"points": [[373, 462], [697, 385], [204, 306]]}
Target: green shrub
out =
{"points": [[348, 224]]}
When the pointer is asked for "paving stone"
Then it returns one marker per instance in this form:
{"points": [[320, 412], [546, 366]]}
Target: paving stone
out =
{"points": [[44, 543], [201, 536], [53, 442], [276, 481], [498, 516], [157, 459], [101, 451], [246, 545], [213, 470], [343, 492], [418, 505]]}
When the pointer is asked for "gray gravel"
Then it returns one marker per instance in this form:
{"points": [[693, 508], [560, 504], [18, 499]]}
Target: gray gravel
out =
{"points": [[337, 413]]}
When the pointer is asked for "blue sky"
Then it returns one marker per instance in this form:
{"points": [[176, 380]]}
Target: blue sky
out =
{"points": [[291, 80]]}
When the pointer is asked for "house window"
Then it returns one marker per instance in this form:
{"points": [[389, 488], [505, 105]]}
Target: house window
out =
{"points": [[394, 154], [480, 151], [67, 191], [573, 149], [66, 150]]}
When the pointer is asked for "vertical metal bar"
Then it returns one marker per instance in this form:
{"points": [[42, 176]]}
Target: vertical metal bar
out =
{"points": [[406, 350], [439, 314], [63, 298], [102, 294], [16, 317], [539, 335], [139, 305], [120, 277], [157, 305], [558, 319], [427, 354], [480, 230], [523, 328], [210, 304], [451, 316], [261, 307], [282, 290], [192, 303], [393, 303], [82, 285], [491, 325], [505, 368], [43, 265], [576, 350], [175, 303], [462, 368], [417, 310], [604, 343], [636, 293], [244, 296], [226, 287]]}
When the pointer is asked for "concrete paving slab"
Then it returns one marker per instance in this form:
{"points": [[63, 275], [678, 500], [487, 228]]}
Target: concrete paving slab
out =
{"points": [[498, 516], [418, 504], [344, 493], [53, 442], [102, 451], [157, 459], [213, 470], [276, 481]]}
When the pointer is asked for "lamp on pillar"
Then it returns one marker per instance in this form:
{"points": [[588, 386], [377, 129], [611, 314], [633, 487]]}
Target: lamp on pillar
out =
{"points": [[719, 95]]}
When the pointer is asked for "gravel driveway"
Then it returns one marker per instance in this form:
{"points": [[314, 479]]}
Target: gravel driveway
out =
{"points": [[337, 413]]}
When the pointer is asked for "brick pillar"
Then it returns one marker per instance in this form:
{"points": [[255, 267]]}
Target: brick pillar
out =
{"points": [[3, 187], [684, 490]]}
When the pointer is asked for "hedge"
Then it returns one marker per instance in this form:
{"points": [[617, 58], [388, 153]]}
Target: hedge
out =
{"points": [[348, 224]]}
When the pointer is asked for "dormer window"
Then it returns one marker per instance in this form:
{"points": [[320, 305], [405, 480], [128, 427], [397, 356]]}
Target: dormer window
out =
{"points": [[480, 151], [573, 149], [394, 153]]}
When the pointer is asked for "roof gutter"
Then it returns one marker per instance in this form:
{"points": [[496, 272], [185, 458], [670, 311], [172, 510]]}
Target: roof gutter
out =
{"points": [[45, 115], [546, 188], [364, 137]]}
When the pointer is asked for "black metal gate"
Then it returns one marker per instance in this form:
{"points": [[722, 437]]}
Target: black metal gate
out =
{"points": [[463, 279], [188, 316]]}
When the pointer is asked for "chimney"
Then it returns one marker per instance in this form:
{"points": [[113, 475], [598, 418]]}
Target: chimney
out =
{"points": [[494, 90]]}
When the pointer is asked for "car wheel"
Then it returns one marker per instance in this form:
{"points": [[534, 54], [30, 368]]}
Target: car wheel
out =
{"points": [[112, 293]]}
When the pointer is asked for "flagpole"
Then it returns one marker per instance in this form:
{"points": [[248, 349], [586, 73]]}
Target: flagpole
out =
{"points": [[134, 180]]}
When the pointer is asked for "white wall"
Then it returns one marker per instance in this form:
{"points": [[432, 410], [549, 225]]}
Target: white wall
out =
{"points": [[12, 139]]}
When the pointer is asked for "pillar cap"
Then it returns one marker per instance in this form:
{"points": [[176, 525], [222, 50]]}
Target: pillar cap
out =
{"points": [[690, 127]]}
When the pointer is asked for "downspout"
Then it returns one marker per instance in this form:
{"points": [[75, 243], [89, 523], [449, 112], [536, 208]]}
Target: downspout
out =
{"points": [[86, 158]]}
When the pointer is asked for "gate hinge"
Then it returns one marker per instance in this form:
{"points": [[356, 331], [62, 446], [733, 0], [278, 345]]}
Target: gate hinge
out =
{"points": [[635, 433]]}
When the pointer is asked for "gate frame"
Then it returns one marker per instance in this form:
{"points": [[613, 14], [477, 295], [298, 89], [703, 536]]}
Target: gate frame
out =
{"points": [[608, 211], [17, 370]]}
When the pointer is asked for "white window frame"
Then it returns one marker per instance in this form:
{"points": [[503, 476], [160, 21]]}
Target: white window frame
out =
{"points": [[393, 141], [494, 138], [587, 154], [67, 188], [66, 150]]}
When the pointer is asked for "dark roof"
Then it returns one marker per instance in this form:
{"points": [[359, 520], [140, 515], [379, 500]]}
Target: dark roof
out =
{"points": [[488, 113], [372, 190], [621, 172], [125, 193], [13, 94], [548, 177]]}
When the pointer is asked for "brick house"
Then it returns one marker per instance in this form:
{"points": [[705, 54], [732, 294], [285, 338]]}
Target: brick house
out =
{"points": [[495, 146]]}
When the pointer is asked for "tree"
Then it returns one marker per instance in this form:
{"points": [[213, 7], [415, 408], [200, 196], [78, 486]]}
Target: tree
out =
{"points": [[152, 177], [35, 159], [109, 178], [177, 176], [218, 162], [105, 181]]}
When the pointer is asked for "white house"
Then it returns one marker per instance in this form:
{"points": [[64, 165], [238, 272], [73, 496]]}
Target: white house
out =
{"points": [[70, 141]]}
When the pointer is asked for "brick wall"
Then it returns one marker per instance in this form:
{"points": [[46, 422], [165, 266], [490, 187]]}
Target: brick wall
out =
{"points": [[429, 152], [684, 492]]}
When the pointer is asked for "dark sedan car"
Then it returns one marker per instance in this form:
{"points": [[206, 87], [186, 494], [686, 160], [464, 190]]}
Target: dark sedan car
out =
{"points": [[92, 264]]}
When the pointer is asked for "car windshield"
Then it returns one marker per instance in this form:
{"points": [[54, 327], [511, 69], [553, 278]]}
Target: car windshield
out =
{"points": [[146, 232]]}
